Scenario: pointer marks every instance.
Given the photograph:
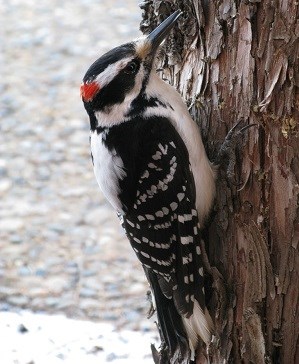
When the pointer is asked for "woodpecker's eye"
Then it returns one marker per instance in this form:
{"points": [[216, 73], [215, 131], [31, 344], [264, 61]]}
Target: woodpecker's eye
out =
{"points": [[131, 67]]}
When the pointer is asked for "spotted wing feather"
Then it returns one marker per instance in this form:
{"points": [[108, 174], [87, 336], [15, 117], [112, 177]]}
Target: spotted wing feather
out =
{"points": [[162, 225]]}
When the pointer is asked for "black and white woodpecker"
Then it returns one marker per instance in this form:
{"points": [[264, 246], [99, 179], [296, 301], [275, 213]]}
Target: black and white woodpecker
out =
{"points": [[150, 162]]}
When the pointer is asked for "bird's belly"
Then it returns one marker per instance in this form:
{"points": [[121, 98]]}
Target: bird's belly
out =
{"points": [[108, 169]]}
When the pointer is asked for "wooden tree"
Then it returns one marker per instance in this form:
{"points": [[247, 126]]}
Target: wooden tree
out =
{"points": [[235, 60]]}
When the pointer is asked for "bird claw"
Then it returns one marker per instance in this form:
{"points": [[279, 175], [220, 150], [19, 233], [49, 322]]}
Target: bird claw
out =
{"points": [[228, 148]]}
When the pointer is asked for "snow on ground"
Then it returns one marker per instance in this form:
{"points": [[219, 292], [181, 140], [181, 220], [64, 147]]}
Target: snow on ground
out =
{"points": [[28, 338]]}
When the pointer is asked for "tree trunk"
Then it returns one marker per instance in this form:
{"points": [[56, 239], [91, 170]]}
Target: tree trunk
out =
{"points": [[232, 60]]}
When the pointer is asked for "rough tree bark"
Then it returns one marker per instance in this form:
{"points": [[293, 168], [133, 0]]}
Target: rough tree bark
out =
{"points": [[232, 60]]}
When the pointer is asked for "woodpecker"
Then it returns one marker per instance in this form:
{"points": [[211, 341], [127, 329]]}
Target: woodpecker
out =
{"points": [[150, 163]]}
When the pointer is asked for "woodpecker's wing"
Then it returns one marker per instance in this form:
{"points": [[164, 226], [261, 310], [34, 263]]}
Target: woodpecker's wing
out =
{"points": [[162, 224]]}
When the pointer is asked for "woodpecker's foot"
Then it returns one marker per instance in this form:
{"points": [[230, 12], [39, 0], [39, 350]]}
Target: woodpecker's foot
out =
{"points": [[227, 152]]}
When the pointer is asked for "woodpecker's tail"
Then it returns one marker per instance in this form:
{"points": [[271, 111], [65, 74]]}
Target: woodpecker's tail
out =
{"points": [[198, 325], [174, 340]]}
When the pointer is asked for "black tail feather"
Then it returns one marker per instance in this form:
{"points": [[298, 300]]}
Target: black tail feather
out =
{"points": [[174, 342]]}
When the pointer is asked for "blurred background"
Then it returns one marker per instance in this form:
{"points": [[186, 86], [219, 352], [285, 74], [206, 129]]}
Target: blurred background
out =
{"points": [[62, 248]]}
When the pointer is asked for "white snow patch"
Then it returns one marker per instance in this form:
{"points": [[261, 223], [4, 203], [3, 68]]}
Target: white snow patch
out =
{"points": [[57, 339]]}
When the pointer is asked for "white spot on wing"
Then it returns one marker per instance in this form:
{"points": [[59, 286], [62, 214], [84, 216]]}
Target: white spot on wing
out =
{"points": [[168, 178], [157, 155], [172, 171], [154, 189], [172, 144], [186, 239], [180, 196], [160, 184], [173, 206], [165, 210], [163, 149], [181, 218], [143, 197], [185, 260], [130, 223], [145, 174], [173, 159], [187, 217], [145, 254]]}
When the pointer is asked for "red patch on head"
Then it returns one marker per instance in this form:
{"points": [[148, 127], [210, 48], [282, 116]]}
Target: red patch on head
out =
{"points": [[89, 90]]}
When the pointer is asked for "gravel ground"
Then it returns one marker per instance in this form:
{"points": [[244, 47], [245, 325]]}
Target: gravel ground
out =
{"points": [[62, 248]]}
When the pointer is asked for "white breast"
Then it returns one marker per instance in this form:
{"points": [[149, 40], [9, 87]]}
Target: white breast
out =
{"points": [[108, 168]]}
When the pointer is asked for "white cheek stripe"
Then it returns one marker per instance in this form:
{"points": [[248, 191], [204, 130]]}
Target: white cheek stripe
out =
{"points": [[105, 77], [117, 112]]}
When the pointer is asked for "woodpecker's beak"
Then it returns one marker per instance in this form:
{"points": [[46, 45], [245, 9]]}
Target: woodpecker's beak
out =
{"points": [[157, 36]]}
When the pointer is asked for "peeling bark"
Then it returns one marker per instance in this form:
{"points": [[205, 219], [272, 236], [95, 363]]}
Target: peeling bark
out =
{"points": [[231, 60]]}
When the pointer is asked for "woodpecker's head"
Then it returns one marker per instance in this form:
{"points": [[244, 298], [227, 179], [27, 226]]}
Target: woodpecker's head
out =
{"points": [[119, 77]]}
